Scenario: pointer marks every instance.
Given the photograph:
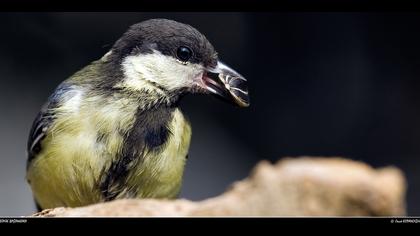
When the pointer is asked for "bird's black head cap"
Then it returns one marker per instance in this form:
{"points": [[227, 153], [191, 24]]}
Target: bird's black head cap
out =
{"points": [[165, 36]]}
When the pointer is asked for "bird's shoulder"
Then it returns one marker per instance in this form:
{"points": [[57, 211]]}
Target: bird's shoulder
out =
{"points": [[45, 118]]}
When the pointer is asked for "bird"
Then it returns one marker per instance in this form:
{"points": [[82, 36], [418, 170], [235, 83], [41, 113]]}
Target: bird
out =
{"points": [[114, 129]]}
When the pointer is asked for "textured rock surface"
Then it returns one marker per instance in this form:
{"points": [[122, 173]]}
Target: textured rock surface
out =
{"points": [[291, 187]]}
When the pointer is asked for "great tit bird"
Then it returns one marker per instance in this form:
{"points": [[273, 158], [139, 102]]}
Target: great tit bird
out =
{"points": [[114, 130]]}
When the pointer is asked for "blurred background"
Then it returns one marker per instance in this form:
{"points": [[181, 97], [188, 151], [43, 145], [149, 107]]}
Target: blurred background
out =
{"points": [[321, 84]]}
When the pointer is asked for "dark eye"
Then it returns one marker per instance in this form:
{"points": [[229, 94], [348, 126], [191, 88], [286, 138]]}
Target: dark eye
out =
{"points": [[184, 53]]}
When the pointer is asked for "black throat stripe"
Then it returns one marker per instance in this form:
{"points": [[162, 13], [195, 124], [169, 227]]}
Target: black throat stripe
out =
{"points": [[149, 132]]}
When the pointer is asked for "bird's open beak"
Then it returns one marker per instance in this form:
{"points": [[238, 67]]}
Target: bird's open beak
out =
{"points": [[227, 84]]}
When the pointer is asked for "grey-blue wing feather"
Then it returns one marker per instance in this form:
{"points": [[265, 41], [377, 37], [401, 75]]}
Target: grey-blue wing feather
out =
{"points": [[43, 121]]}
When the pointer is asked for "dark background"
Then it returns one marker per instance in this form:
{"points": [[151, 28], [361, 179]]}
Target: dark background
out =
{"points": [[327, 84]]}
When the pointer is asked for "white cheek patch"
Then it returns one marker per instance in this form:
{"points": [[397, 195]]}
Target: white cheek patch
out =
{"points": [[157, 68]]}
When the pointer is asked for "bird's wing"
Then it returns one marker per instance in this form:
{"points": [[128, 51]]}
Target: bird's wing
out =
{"points": [[43, 121]]}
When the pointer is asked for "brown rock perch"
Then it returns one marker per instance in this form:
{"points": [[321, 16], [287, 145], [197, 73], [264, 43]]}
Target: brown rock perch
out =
{"points": [[292, 187]]}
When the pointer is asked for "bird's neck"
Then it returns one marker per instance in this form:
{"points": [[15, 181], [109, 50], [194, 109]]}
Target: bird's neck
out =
{"points": [[149, 98], [140, 89]]}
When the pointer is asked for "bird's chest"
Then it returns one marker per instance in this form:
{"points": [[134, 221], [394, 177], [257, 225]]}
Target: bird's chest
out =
{"points": [[160, 165], [97, 154], [139, 155]]}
